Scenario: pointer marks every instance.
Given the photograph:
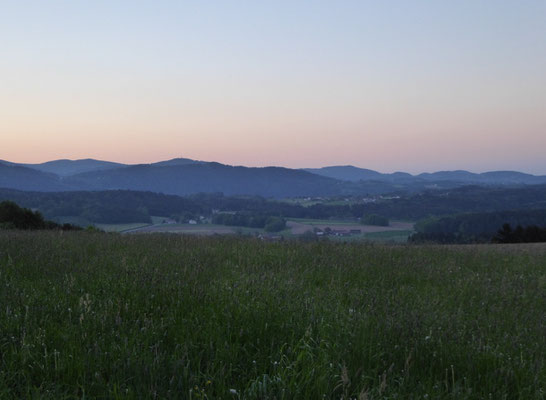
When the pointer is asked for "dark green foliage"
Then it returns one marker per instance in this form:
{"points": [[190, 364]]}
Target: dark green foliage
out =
{"points": [[250, 220], [275, 224], [468, 199], [131, 206], [116, 206], [529, 234], [309, 236], [111, 214], [475, 227], [11, 215], [167, 316], [14, 217], [374, 219]]}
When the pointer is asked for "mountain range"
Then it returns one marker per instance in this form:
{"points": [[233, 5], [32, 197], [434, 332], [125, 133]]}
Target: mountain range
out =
{"points": [[183, 176], [351, 173]]}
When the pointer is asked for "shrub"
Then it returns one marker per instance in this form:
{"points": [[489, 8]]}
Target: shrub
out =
{"points": [[374, 219]]}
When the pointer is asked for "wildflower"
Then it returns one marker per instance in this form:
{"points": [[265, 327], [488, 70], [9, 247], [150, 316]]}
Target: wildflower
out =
{"points": [[232, 391]]}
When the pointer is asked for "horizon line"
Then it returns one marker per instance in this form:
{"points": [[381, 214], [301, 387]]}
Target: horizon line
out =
{"points": [[269, 166]]}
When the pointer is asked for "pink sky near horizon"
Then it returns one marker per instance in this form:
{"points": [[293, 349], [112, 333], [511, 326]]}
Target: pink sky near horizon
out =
{"points": [[399, 87]]}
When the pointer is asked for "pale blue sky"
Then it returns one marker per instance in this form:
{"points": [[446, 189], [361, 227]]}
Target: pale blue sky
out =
{"points": [[400, 85]]}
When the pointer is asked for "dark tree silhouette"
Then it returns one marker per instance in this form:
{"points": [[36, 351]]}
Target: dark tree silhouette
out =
{"points": [[529, 234], [14, 217]]}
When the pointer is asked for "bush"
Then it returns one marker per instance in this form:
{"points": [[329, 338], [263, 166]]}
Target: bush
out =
{"points": [[374, 219], [275, 224], [11, 215], [14, 217], [528, 234]]}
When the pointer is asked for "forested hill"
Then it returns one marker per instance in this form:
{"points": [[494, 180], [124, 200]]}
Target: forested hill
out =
{"points": [[351, 173], [117, 206], [22, 178], [179, 177], [209, 177], [184, 176]]}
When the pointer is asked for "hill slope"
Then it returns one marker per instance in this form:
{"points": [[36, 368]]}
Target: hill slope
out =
{"points": [[17, 177], [182, 176], [208, 177], [70, 167], [351, 173]]}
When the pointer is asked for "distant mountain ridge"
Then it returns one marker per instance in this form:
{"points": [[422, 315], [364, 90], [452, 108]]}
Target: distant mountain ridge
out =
{"points": [[180, 176], [354, 174], [207, 177], [183, 176], [66, 167], [14, 176]]}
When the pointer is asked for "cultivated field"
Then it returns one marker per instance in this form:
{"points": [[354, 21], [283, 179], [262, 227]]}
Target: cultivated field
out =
{"points": [[89, 315], [121, 227], [202, 229], [396, 231], [302, 226]]}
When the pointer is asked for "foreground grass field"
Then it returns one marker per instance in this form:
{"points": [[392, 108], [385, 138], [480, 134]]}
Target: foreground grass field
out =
{"points": [[167, 316]]}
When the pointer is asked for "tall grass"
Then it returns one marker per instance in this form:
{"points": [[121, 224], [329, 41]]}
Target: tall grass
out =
{"points": [[167, 316]]}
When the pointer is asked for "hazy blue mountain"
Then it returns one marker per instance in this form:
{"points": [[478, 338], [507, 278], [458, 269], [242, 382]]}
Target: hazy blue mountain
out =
{"points": [[346, 173], [176, 161], [354, 174], [513, 177], [458, 175], [71, 167], [400, 176], [183, 176], [208, 177], [493, 177], [4, 162], [67, 167], [22, 178]]}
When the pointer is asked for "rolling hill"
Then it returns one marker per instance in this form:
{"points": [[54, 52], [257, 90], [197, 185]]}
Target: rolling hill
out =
{"points": [[68, 167], [208, 177], [14, 176], [182, 176], [354, 174]]}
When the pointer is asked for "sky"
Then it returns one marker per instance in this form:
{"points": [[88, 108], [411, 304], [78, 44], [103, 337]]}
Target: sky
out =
{"points": [[414, 86]]}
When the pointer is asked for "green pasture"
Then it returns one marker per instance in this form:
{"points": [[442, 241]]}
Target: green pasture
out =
{"points": [[91, 315]]}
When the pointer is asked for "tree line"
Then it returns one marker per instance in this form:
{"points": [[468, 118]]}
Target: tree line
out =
{"points": [[125, 206], [14, 217], [250, 220], [528, 234]]}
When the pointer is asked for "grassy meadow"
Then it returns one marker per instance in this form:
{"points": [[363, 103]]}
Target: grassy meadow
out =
{"points": [[90, 315]]}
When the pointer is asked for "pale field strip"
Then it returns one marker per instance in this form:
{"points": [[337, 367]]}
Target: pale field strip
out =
{"points": [[298, 228]]}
